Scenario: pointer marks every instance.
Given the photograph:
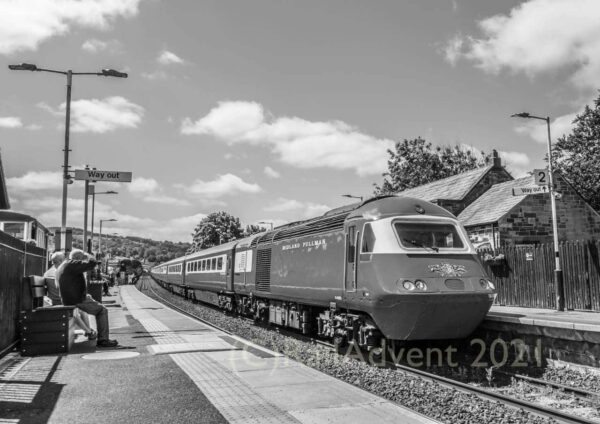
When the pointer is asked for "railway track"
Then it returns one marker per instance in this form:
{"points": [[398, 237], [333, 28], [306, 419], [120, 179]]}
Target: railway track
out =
{"points": [[531, 407]]}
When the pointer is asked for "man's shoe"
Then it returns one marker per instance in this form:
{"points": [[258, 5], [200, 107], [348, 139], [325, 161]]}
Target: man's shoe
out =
{"points": [[107, 343]]}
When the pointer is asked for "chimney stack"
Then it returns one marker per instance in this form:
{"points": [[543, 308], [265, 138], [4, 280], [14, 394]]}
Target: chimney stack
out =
{"points": [[496, 159]]}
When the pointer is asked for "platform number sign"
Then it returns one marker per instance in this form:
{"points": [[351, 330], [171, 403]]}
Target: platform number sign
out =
{"points": [[542, 177]]}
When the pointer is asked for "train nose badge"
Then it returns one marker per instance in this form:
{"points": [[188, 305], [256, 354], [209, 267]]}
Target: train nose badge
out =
{"points": [[448, 270]]}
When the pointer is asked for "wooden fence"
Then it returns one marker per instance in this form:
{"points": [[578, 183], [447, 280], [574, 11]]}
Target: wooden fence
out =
{"points": [[17, 259], [526, 275]]}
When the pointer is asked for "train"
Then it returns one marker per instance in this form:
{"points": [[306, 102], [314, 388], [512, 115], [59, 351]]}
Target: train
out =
{"points": [[388, 268]]}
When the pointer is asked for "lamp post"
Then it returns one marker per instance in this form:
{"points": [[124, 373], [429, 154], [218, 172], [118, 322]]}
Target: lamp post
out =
{"points": [[558, 275], [93, 193], [267, 222], [66, 177], [353, 197], [100, 241]]}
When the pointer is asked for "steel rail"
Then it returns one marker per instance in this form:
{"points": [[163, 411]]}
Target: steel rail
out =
{"points": [[447, 382], [579, 392], [518, 403]]}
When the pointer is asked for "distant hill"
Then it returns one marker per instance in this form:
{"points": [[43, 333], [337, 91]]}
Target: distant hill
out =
{"points": [[144, 249]]}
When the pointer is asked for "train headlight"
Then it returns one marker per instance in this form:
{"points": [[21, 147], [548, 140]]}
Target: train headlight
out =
{"points": [[408, 285], [420, 284], [487, 284]]}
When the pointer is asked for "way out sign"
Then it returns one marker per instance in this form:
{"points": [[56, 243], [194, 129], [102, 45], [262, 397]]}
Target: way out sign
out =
{"points": [[524, 191], [95, 175]]}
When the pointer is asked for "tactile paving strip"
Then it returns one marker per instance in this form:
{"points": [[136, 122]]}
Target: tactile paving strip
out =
{"points": [[234, 399]]}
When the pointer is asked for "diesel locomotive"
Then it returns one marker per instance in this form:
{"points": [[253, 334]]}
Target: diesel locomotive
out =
{"points": [[390, 267]]}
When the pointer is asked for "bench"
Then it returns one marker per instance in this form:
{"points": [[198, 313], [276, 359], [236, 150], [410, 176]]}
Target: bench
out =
{"points": [[47, 329]]}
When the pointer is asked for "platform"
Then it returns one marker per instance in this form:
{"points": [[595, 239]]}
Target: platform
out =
{"points": [[574, 320], [569, 336], [178, 370]]}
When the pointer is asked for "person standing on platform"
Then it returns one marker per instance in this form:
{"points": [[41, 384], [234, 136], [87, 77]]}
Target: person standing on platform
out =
{"points": [[73, 291]]}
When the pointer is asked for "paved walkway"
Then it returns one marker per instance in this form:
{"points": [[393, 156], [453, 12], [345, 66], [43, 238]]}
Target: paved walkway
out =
{"points": [[178, 370], [576, 320]]}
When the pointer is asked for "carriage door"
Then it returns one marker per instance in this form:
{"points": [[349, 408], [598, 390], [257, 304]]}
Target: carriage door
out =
{"points": [[351, 273]]}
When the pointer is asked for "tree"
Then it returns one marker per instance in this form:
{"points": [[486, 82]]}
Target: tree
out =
{"points": [[253, 229], [577, 155], [217, 228], [416, 162]]}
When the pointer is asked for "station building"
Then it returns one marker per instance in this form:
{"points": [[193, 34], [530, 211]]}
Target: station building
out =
{"points": [[483, 201]]}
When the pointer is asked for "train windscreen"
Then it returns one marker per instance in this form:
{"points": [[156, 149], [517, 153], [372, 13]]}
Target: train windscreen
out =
{"points": [[417, 235]]}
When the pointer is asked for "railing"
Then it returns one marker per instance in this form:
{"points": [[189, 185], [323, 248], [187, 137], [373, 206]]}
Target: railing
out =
{"points": [[525, 276], [17, 259]]}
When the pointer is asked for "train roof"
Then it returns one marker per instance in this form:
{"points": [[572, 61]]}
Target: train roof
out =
{"points": [[395, 205]]}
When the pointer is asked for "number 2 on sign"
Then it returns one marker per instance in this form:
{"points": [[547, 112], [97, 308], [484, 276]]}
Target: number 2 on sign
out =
{"points": [[541, 177]]}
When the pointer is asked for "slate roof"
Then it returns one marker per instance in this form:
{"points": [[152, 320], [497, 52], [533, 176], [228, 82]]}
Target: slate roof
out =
{"points": [[451, 188], [494, 203], [4, 201]]}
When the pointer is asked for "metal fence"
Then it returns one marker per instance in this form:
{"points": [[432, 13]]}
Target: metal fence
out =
{"points": [[525, 276], [17, 259]]}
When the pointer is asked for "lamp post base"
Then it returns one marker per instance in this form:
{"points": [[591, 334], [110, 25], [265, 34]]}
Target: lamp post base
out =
{"points": [[560, 290]]}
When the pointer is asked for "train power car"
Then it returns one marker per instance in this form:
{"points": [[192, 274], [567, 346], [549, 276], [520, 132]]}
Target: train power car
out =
{"points": [[390, 267]]}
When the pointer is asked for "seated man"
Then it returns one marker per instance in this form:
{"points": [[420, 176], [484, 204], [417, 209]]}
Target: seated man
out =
{"points": [[73, 291], [81, 319]]}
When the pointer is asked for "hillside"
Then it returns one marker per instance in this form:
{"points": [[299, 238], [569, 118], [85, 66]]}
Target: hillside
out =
{"points": [[144, 249]]}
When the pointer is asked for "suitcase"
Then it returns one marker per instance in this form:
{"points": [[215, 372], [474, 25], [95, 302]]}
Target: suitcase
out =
{"points": [[46, 331]]}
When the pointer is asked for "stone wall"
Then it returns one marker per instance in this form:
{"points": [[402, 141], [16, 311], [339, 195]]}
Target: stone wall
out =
{"points": [[530, 221]]}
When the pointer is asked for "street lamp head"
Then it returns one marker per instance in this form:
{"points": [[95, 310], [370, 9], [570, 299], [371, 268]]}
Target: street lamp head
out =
{"points": [[112, 192], [108, 220], [113, 73], [521, 115], [23, 67]]}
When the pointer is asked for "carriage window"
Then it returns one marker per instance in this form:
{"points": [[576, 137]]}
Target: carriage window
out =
{"points": [[368, 239], [203, 265], [418, 235], [220, 263], [214, 264]]}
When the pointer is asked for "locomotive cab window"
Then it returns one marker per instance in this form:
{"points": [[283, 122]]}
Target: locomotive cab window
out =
{"points": [[428, 236]]}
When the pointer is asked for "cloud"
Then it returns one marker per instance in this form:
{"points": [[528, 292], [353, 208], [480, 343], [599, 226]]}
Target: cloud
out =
{"points": [[148, 190], [271, 173], [224, 185], [169, 58], [10, 122], [296, 141], [538, 130], [143, 185], [540, 36], [32, 180], [100, 116], [517, 163], [33, 127], [153, 76], [302, 209], [26, 24], [94, 46]]}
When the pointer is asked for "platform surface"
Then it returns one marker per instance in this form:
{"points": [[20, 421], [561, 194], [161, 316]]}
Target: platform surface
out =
{"points": [[179, 370], [576, 320]]}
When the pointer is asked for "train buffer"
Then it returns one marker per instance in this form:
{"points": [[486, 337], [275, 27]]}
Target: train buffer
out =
{"points": [[174, 369]]}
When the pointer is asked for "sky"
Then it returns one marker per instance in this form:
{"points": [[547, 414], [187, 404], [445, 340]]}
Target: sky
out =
{"points": [[270, 110]]}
